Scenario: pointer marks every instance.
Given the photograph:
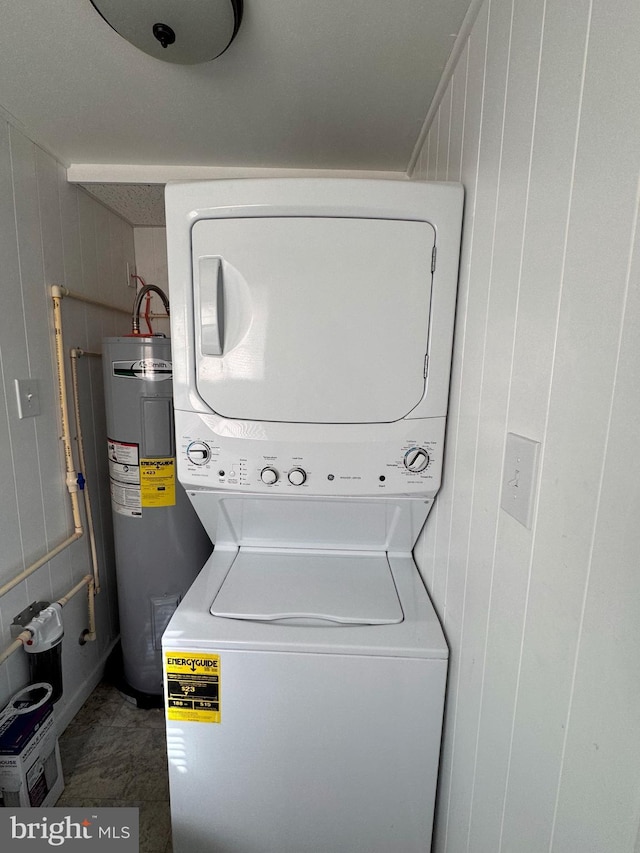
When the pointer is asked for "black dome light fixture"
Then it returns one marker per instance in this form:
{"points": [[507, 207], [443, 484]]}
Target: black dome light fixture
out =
{"points": [[174, 30]]}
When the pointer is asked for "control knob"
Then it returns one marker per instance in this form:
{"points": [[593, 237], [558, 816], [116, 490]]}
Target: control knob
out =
{"points": [[198, 452], [297, 476], [269, 475], [416, 459]]}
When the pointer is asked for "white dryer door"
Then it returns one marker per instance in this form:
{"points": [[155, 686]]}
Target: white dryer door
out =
{"points": [[311, 320], [332, 587]]}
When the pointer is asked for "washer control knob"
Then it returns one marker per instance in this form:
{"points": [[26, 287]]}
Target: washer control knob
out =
{"points": [[198, 452], [297, 476], [269, 476], [416, 459]]}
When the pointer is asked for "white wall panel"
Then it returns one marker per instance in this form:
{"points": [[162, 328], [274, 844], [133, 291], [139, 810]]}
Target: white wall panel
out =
{"points": [[458, 86], [602, 749], [583, 372], [431, 145], [31, 454], [473, 526], [118, 255], [70, 223], [500, 660], [16, 354], [102, 221], [51, 232], [12, 348], [444, 132], [56, 508], [540, 749], [88, 248], [454, 501]]}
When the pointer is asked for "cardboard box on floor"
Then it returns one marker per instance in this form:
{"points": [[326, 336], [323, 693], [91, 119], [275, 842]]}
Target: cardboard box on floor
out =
{"points": [[30, 769]]}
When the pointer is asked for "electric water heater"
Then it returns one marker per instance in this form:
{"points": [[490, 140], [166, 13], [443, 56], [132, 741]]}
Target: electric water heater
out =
{"points": [[160, 544]]}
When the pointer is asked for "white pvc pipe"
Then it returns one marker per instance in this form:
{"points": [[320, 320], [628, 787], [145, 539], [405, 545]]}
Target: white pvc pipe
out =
{"points": [[75, 354], [91, 604], [58, 292], [90, 635], [91, 581], [82, 353], [87, 579], [18, 643], [35, 566], [71, 480]]}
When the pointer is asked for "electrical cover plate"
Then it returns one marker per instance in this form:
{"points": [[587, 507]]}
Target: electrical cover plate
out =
{"points": [[519, 477], [28, 397]]}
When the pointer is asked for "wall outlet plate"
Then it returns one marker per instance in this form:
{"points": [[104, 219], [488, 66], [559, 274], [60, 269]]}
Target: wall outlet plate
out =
{"points": [[28, 397], [519, 476], [132, 281]]}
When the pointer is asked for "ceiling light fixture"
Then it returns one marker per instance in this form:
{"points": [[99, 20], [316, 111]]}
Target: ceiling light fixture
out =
{"points": [[175, 30]]}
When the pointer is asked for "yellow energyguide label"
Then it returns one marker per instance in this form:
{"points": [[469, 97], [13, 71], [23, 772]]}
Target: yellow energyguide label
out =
{"points": [[193, 686], [158, 482]]}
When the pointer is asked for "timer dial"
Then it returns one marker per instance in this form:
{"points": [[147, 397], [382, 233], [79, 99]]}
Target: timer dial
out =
{"points": [[416, 459], [269, 476], [198, 452]]}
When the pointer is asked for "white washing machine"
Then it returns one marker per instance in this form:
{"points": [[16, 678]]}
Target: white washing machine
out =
{"points": [[305, 669]]}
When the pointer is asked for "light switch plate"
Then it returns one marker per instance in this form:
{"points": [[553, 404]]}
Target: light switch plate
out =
{"points": [[28, 396], [132, 281], [519, 477]]}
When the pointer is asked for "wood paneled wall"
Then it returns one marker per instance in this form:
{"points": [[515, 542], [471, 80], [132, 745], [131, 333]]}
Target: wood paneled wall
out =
{"points": [[51, 232], [541, 123]]}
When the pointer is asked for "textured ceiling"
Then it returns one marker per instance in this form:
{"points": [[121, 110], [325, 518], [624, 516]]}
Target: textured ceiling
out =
{"points": [[139, 204]]}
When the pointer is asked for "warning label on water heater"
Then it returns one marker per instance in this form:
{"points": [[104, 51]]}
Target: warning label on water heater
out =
{"points": [[193, 686], [124, 476]]}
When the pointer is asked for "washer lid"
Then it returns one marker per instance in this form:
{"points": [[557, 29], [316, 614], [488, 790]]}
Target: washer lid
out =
{"points": [[330, 587]]}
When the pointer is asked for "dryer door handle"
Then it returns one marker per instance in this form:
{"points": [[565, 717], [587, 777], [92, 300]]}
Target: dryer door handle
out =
{"points": [[211, 306]]}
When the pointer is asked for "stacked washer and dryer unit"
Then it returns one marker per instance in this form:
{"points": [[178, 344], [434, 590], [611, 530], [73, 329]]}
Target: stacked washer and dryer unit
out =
{"points": [[305, 669]]}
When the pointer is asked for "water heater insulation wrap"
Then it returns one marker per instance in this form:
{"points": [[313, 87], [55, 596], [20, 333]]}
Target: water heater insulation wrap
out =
{"points": [[159, 542]]}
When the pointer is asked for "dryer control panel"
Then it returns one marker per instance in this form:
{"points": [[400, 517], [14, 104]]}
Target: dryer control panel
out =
{"points": [[408, 464]]}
